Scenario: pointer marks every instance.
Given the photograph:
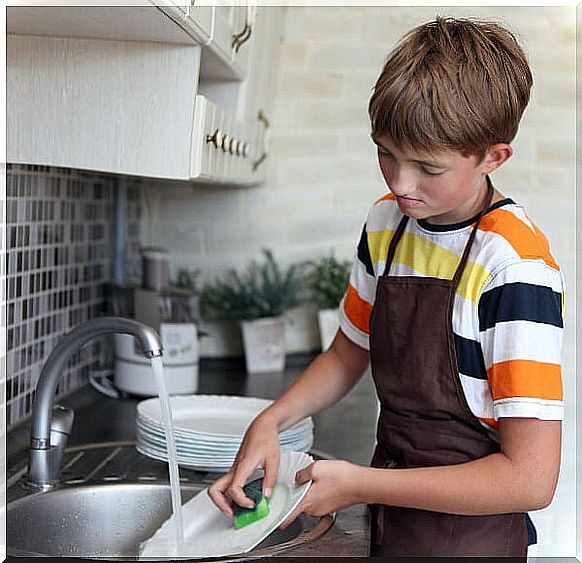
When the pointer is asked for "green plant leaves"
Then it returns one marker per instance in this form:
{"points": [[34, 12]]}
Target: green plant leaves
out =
{"points": [[262, 290], [328, 279], [265, 290]]}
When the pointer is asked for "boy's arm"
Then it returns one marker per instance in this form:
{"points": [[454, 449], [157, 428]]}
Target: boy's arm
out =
{"points": [[325, 381], [522, 477]]}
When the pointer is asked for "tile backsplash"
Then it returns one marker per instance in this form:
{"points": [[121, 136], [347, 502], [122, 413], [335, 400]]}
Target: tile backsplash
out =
{"points": [[59, 244]]}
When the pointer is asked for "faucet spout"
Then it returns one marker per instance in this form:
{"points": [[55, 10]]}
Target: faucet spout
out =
{"points": [[42, 470]]}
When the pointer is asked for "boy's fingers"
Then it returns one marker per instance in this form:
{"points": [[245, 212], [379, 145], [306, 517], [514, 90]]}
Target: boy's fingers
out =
{"points": [[235, 490], [218, 497], [270, 477]]}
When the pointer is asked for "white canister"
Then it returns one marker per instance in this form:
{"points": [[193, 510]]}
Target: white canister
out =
{"points": [[264, 344], [133, 371]]}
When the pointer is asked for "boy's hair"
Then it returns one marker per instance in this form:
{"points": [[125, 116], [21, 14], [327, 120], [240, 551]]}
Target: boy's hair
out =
{"points": [[452, 84]]}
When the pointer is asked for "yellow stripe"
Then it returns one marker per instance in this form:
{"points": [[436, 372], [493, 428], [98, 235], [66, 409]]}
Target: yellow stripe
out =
{"points": [[429, 259]]}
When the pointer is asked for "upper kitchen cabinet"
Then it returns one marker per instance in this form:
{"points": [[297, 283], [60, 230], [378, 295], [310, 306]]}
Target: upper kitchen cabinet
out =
{"points": [[138, 90], [230, 41]]}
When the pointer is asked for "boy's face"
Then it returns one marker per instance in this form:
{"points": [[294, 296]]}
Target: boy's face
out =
{"points": [[444, 187]]}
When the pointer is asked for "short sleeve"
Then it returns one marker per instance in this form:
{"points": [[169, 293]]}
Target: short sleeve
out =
{"points": [[520, 329], [356, 305]]}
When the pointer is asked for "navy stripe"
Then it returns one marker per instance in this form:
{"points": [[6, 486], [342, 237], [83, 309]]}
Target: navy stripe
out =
{"points": [[364, 252], [520, 302], [470, 358]]}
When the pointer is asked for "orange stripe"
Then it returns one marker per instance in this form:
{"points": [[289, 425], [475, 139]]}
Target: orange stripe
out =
{"points": [[386, 197], [490, 422], [357, 310], [527, 243], [525, 378]]}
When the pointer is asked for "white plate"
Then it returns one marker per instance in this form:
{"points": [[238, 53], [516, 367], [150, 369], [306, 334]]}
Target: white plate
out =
{"points": [[195, 447], [221, 416], [211, 467], [209, 533], [298, 430], [202, 461]]}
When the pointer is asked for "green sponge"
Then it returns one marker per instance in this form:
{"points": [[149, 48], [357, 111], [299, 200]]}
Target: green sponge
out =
{"points": [[245, 516]]}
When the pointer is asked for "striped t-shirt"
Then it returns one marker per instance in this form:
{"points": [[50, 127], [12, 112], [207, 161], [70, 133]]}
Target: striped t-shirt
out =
{"points": [[508, 309]]}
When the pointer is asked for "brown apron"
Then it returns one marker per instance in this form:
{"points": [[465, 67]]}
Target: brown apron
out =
{"points": [[425, 419]]}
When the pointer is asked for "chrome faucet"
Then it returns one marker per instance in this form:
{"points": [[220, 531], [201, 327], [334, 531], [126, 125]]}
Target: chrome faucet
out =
{"points": [[46, 452]]}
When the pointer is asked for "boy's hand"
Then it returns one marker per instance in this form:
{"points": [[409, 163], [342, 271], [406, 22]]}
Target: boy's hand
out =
{"points": [[259, 449], [335, 486]]}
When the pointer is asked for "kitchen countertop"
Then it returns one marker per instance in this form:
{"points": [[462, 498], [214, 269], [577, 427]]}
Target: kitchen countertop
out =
{"points": [[344, 431]]}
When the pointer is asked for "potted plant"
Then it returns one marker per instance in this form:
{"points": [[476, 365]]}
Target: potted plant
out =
{"points": [[257, 298], [328, 280]]}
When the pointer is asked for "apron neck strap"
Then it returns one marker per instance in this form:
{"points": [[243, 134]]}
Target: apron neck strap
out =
{"points": [[465, 257], [394, 242]]}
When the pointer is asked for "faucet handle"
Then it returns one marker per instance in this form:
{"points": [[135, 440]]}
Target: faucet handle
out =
{"points": [[61, 425]]}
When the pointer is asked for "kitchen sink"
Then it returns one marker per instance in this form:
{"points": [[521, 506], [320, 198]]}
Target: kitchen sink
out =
{"points": [[112, 499]]}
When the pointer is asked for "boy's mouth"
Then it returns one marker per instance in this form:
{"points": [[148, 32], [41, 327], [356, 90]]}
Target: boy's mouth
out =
{"points": [[408, 201]]}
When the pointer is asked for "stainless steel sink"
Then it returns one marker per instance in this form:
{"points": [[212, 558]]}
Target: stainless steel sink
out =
{"points": [[107, 514]]}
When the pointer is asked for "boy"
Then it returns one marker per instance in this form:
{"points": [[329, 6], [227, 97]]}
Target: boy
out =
{"points": [[456, 302]]}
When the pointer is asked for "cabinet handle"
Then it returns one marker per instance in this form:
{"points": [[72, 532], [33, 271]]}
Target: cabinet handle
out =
{"points": [[216, 138], [239, 38], [225, 142], [263, 119]]}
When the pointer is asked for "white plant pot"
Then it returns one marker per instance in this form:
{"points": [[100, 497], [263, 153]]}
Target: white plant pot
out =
{"points": [[264, 344], [328, 321]]}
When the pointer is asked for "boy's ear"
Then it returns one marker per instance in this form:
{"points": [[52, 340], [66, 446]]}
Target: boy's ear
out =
{"points": [[495, 157]]}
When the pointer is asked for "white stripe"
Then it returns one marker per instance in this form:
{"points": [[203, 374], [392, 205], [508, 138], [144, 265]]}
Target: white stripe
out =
{"points": [[399, 269], [364, 283], [534, 272], [478, 394], [527, 407], [522, 340], [465, 318]]}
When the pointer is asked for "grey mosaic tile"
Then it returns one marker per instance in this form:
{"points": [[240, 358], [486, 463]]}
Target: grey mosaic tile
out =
{"points": [[59, 228]]}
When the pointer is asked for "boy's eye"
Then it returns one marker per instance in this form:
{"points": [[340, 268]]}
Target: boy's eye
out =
{"points": [[382, 152], [431, 172]]}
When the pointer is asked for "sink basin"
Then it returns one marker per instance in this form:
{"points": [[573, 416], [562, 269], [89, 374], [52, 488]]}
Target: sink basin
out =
{"points": [[101, 519]]}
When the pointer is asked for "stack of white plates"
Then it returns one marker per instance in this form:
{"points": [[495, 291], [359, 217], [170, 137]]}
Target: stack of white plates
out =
{"points": [[209, 429]]}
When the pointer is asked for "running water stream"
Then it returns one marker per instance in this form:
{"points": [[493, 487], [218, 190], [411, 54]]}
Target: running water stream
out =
{"points": [[158, 368]]}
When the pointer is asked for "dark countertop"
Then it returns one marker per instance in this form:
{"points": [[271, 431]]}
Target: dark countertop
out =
{"points": [[344, 431]]}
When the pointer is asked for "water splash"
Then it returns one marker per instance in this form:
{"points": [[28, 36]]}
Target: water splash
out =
{"points": [[158, 368]]}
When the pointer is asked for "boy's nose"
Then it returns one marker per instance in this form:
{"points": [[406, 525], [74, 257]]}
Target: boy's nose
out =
{"points": [[402, 187]]}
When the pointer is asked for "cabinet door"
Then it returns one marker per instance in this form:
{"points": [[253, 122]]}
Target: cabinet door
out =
{"points": [[255, 102], [223, 29], [204, 137], [123, 107], [196, 20], [223, 148], [201, 18], [243, 37]]}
